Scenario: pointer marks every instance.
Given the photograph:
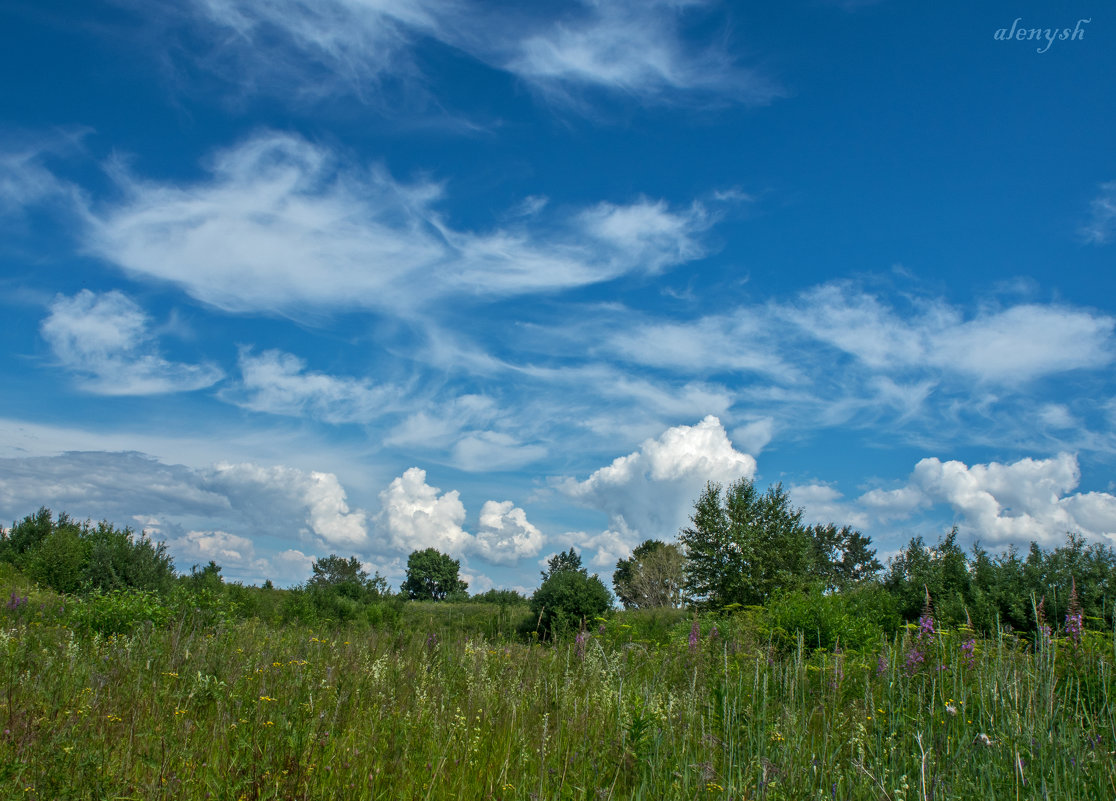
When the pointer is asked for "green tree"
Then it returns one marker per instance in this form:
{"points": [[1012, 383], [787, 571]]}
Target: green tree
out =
{"points": [[842, 556], [742, 545], [432, 576], [563, 561], [120, 559], [567, 599], [651, 577], [347, 577]]}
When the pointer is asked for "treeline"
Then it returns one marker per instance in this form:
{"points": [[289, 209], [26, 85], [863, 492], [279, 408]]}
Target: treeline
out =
{"points": [[745, 551]]}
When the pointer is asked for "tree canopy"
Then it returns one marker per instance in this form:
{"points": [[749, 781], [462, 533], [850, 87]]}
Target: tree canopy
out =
{"points": [[651, 577], [432, 576], [742, 545]]}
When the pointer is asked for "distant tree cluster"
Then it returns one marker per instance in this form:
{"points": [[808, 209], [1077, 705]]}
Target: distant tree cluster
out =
{"points": [[1004, 590], [70, 556], [743, 545]]}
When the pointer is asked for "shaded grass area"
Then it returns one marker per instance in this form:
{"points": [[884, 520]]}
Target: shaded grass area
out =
{"points": [[635, 709]]}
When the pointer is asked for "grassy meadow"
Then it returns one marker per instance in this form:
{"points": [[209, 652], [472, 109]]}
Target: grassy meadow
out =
{"points": [[448, 702]]}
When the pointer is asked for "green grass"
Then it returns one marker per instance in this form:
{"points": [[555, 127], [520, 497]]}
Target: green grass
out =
{"points": [[249, 710]]}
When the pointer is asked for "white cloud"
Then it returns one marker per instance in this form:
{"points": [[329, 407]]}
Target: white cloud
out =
{"points": [[650, 493], [220, 546], [1019, 343], [283, 225], [414, 516], [1030, 500], [823, 504], [105, 339], [492, 450], [635, 48], [504, 535], [1102, 223], [278, 383], [899, 503], [441, 424], [739, 343], [24, 181], [320, 494], [351, 45], [1057, 415]]}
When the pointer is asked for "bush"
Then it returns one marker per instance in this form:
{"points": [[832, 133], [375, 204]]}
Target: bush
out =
{"points": [[854, 619], [566, 599], [117, 612]]}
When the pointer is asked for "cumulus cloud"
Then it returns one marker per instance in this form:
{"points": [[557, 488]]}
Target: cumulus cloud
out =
{"points": [[650, 492], [222, 512], [105, 339], [279, 383], [504, 535], [283, 225], [327, 514], [1102, 222], [1030, 500], [414, 516]]}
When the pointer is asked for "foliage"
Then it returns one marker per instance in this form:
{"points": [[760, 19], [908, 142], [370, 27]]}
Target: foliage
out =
{"points": [[347, 577], [432, 576], [69, 556], [117, 611], [562, 561], [432, 709], [851, 620], [651, 577], [1004, 590], [567, 599]]}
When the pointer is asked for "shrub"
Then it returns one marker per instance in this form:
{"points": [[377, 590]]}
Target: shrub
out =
{"points": [[117, 612], [566, 599]]}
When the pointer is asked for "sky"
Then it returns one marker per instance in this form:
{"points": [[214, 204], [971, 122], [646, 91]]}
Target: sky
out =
{"points": [[283, 279]]}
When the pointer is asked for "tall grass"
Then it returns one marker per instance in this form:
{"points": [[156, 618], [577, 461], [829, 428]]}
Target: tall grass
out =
{"points": [[247, 710]]}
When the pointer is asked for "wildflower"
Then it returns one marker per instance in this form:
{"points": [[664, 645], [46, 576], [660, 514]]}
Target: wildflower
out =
{"points": [[968, 651], [695, 634], [925, 636], [1074, 617], [15, 602], [579, 643], [1040, 620], [951, 709], [983, 739], [881, 665]]}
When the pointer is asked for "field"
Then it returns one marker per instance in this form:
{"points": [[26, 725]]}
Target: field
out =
{"points": [[448, 703]]}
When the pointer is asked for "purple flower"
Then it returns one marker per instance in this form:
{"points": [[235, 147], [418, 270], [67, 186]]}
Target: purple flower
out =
{"points": [[15, 602], [579, 643], [881, 664], [695, 635], [968, 649], [1075, 619]]}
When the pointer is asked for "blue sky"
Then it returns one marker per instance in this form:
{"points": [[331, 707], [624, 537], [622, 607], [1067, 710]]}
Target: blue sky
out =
{"points": [[283, 279]]}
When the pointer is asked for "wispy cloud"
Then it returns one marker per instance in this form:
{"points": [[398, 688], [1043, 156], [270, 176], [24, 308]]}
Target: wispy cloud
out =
{"points": [[1102, 221], [285, 225], [641, 50], [635, 48], [106, 340], [279, 383]]}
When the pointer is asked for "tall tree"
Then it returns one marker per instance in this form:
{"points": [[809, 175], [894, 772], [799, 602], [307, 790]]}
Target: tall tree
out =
{"points": [[651, 577], [432, 576], [744, 544]]}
